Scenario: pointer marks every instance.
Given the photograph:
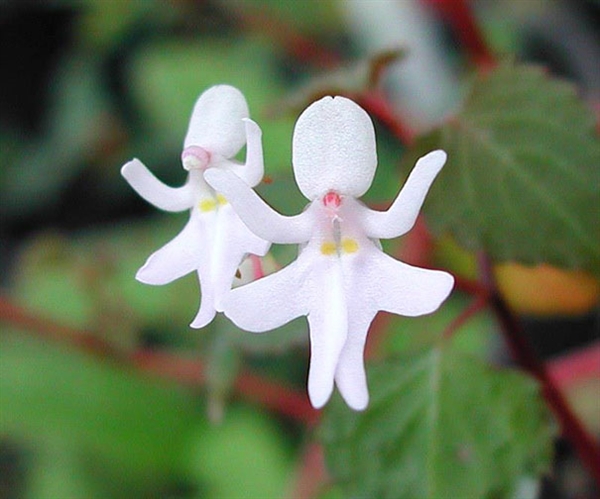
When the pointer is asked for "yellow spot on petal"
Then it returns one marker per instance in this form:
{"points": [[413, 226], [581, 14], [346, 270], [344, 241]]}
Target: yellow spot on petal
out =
{"points": [[207, 205], [328, 248], [349, 246], [222, 200]]}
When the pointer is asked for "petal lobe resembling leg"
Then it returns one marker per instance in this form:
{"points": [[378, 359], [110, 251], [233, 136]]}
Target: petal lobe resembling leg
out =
{"points": [[328, 322], [233, 241], [350, 376], [207, 310]]}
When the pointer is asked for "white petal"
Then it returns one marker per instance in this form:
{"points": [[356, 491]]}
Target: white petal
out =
{"points": [[406, 290], [154, 191], [328, 322], [256, 214], [350, 374], [216, 123], [232, 243], [334, 149], [205, 235], [403, 213], [252, 171], [177, 258], [207, 310], [228, 244], [271, 301]]}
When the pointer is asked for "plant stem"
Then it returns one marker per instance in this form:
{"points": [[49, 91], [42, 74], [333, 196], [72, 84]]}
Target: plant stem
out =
{"points": [[524, 354], [301, 47], [459, 16], [477, 304], [311, 474], [184, 371], [575, 366], [377, 106]]}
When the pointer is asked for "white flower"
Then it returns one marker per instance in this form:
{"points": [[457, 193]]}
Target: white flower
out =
{"points": [[214, 241], [341, 278]]}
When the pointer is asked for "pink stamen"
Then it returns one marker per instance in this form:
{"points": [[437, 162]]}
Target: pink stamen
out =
{"points": [[332, 199], [257, 268], [194, 157]]}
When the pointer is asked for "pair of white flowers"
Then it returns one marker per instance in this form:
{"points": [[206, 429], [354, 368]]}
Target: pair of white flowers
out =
{"points": [[341, 278]]}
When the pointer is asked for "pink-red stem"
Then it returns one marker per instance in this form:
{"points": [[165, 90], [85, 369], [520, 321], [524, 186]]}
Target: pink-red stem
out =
{"points": [[523, 353], [459, 16], [277, 397]]}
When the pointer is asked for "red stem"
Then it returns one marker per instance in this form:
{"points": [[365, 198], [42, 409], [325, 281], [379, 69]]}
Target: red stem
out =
{"points": [[524, 354], [477, 304], [311, 474], [277, 397], [466, 28], [377, 106], [575, 366], [301, 47], [189, 372]]}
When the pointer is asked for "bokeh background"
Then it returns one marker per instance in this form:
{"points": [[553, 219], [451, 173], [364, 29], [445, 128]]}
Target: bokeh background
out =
{"points": [[86, 86]]}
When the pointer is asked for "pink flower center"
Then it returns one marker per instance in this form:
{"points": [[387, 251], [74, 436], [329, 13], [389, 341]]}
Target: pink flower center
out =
{"points": [[332, 200], [195, 157]]}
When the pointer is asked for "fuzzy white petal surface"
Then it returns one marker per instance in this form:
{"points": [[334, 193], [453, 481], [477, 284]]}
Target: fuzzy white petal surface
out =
{"points": [[216, 123], [406, 290], [328, 322], [154, 191], [350, 376], [334, 149], [271, 301], [207, 311], [232, 243], [403, 213], [178, 257], [256, 214], [252, 170]]}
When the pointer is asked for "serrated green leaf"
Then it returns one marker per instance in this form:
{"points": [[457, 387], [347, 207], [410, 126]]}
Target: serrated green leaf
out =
{"points": [[439, 424], [522, 177]]}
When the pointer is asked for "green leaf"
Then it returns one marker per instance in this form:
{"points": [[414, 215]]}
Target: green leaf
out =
{"points": [[477, 336], [88, 280], [439, 424], [40, 168], [522, 177], [246, 456], [97, 430], [47, 392]]}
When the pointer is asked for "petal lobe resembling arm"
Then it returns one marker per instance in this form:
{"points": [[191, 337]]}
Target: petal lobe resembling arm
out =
{"points": [[401, 216], [252, 171], [256, 214], [154, 191]]}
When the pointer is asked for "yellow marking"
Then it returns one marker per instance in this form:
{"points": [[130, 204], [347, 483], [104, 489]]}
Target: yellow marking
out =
{"points": [[349, 246], [207, 205], [222, 200], [328, 248]]}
